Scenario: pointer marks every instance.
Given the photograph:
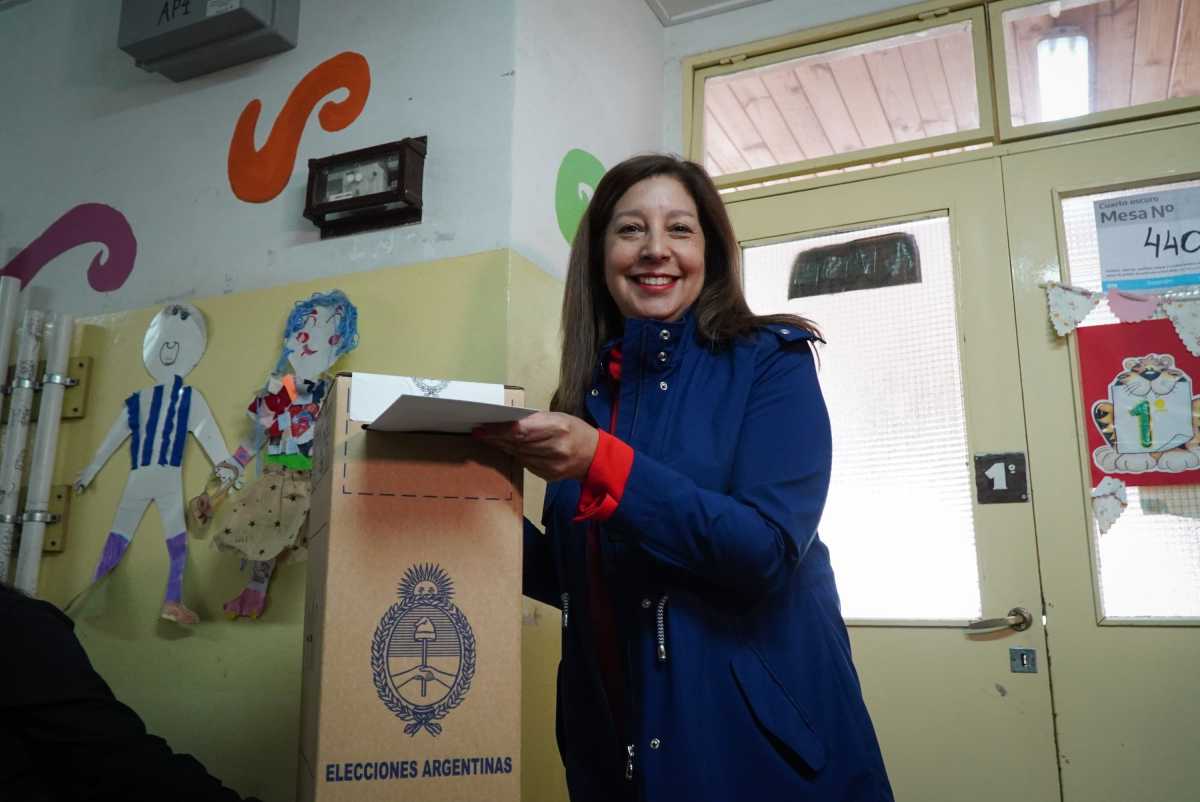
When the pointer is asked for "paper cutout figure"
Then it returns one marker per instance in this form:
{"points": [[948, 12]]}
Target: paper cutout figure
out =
{"points": [[1108, 502], [1138, 377], [1147, 419], [1185, 317], [1069, 306], [157, 421], [1130, 307], [269, 518]]}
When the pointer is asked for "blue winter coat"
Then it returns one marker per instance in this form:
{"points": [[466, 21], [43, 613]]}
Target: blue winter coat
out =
{"points": [[739, 682]]}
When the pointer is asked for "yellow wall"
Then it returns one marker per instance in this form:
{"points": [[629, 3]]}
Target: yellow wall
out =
{"points": [[229, 692], [533, 353]]}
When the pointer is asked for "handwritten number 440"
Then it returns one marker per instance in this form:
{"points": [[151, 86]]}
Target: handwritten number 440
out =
{"points": [[1167, 242], [174, 8]]}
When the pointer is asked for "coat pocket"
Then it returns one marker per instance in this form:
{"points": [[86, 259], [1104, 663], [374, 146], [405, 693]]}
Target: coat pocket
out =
{"points": [[775, 711]]}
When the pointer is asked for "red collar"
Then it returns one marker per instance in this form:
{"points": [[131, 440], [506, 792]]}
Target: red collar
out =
{"points": [[614, 363]]}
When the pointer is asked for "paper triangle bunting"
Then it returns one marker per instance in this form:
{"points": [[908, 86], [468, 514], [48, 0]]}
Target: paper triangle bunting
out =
{"points": [[1132, 308], [1185, 317], [1108, 502], [1069, 306]]}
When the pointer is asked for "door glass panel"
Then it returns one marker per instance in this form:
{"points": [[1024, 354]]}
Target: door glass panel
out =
{"points": [[1066, 59], [891, 91], [899, 519], [1148, 563]]}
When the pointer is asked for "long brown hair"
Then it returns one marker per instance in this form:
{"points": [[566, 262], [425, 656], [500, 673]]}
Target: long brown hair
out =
{"points": [[590, 316]]}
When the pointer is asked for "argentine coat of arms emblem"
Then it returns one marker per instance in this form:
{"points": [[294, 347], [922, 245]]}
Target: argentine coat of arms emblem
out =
{"points": [[423, 652]]}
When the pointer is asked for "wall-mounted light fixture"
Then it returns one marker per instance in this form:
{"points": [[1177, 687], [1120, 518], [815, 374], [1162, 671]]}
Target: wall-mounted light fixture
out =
{"points": [[375, 187], [1064, 71]]}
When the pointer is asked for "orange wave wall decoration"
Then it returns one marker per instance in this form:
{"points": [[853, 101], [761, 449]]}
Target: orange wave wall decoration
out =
{"points": [[257, 176]]}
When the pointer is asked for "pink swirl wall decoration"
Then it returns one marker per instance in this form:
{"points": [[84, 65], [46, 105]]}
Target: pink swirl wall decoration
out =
{"points": [[86, 223]]}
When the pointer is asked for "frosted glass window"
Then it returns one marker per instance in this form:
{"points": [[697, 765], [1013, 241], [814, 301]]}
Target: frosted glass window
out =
{"points": [[898, 521], [1148, 563]]}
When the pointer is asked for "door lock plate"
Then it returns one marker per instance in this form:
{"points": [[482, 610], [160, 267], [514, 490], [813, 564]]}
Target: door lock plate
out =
{"points": [[1023, 661]]}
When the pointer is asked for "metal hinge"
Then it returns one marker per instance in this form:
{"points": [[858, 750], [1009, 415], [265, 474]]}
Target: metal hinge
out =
{"points": [[734, 59], [941, 12]]}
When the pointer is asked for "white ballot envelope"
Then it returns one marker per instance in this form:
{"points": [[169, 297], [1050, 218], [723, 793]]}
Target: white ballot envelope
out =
{"points": [[412, 404]]}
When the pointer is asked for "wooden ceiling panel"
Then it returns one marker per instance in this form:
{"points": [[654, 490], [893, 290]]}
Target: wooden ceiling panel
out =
{"points": [[785, 88], [1016, 92], [724, 105], [896, 94], [762, 110], [721, 149], [958, 65], [826, 99], [1116, 30], [1154, 49], [862, 101], [928, 80], [1185, 74]]}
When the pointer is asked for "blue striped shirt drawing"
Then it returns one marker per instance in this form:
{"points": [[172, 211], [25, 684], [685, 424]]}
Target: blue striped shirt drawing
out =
{"points": [[150, 443]]}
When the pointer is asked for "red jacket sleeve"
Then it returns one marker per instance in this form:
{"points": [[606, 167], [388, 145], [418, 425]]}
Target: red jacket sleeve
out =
{"points": [[605, 482]]}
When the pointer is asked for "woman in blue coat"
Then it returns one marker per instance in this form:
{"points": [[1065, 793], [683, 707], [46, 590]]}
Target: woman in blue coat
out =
{"points": [[704, 655]]}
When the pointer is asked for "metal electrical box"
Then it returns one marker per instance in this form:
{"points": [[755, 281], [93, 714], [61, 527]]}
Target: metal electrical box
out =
{"points": [[185, 38]]}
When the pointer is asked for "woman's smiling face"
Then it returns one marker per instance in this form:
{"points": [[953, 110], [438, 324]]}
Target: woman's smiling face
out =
{"points": [[654, 250]]}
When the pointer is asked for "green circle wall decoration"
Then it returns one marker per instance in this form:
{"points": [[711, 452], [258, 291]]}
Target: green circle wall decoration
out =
{"points": [[578, 176]]}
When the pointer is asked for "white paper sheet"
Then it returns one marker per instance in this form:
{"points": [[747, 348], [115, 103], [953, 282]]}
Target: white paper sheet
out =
{"points": [[418, 413], [372, 393]]}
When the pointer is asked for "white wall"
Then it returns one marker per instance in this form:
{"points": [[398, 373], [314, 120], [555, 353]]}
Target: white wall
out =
{"points": [[503, 88], [588, 77], [764, 21], [82, 124]]}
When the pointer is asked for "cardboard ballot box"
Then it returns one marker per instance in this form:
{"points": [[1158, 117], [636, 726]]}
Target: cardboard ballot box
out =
{"points": [[412, 641]]}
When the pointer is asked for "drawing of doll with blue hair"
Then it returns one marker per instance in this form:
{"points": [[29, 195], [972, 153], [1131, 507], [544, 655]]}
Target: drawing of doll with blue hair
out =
{"points": [[269, 519]]}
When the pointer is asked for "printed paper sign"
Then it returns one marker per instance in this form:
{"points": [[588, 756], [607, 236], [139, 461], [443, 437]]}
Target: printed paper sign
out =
{"points": [[1150, 240]]}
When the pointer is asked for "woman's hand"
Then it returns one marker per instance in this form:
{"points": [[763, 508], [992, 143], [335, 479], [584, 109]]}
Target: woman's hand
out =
{"points": [[552, 445]]}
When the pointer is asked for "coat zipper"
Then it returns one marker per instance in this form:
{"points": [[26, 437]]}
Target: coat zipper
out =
{"points": [[660, 614], [566, 605], [629, 762]]}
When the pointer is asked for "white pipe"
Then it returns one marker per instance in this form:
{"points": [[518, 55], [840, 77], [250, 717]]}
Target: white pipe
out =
{"points": [[41, 469], [12, 461], [10, 290]]}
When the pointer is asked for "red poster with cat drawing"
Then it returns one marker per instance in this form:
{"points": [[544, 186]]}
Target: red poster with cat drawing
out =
{"points": [[1140, 387]]}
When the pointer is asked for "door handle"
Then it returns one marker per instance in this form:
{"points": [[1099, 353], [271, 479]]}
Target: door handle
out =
{"points": [[1018, 618]]}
